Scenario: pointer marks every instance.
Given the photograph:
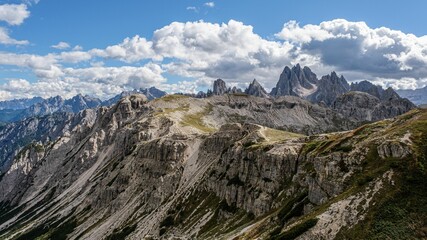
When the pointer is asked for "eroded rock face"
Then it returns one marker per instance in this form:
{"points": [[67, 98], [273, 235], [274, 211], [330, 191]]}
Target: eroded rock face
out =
{"points": [[219, 87], [357, 105], [361, 106]]}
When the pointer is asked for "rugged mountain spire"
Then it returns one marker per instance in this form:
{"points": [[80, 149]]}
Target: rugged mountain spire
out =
{"points": [[329, 88], [219, 87], [256, 89], [295, 82]]}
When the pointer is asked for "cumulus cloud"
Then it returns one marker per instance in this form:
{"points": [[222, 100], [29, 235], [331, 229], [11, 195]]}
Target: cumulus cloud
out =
{"points": [[210, 4], [35, 62], [230, 50], [126, 76], [6, 39], [130, 50], [99, 81], [61, 45], [354, 46], [74, 56], [14, 14]]}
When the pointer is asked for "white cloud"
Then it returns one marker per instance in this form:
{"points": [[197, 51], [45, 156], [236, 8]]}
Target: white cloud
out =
{"points": [[192, 8], [210, 4], [126, 76], [102, 82], [14, 14], [77, 48], [402, 83], [130, 50], [27, 60], [74, 56], [230, 50], [293, 32], [354, 46], [61, 45], [6, 39]]}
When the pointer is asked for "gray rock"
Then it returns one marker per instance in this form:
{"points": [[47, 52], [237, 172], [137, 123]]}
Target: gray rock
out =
{"points": [[219, 87], [255, 89], [329, 88], [295, 82]]}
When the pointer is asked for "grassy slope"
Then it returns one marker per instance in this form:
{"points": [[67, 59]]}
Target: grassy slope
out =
{"points": [[401, 210]]}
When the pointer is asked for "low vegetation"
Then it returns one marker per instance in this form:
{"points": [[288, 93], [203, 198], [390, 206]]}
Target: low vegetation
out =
{"points": [[196, 120]]}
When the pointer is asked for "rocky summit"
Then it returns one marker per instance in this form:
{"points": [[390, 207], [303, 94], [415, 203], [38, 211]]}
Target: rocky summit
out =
{"points": [[295, 82], [255, 89], [221, 165]]}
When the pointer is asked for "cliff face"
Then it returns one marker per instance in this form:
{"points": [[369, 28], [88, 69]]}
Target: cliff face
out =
{"points": [[176, 168]]}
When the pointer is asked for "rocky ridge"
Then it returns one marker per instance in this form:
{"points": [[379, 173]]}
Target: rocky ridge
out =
{"points": [[25, 108]]}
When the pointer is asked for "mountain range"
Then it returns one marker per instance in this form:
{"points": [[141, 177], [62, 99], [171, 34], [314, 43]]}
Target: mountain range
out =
{"points": [[417, 96], [15, 110], [312, 159]]}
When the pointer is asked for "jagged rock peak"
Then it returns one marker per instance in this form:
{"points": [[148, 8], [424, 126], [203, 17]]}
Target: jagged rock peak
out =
{"points": [[219, 87], [368, 87], [153, 93], [128, 104], [375, 90], [295, 82], [390, 94], [329, 88], [234, 90], [256, 89]]}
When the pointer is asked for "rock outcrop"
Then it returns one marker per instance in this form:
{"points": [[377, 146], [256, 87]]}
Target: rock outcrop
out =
{"points": [[255, 89], [219, 87]]}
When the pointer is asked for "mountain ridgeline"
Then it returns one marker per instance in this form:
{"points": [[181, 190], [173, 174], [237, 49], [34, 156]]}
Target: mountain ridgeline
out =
{"points": [[312, 159], [16, 110]]}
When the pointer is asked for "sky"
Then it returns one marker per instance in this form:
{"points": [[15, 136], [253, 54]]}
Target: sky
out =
{"points": [[100, 48]]}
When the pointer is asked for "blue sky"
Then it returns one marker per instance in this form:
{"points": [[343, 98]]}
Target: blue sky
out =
{"points": [[254, 39]]}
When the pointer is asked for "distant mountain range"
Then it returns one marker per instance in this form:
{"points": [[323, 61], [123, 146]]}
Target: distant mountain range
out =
{"points": [[15, 110], [330, 90], [417, 96], [20, 103], [363, 101]]}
